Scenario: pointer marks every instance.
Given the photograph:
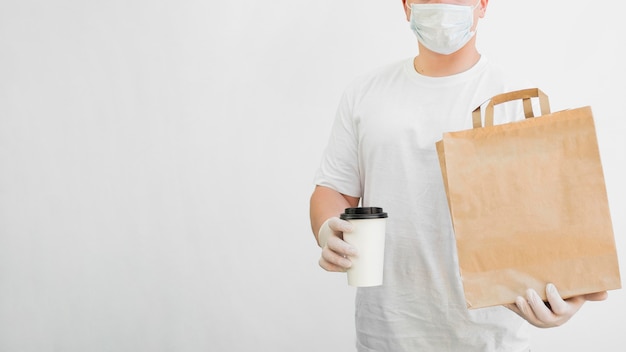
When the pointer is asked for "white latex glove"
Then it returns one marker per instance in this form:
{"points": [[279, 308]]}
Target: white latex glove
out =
{"points": [[334, 249], [535, 311]]}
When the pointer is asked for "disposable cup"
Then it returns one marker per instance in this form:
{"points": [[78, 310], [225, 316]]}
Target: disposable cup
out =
{"points": [[368, 237]]}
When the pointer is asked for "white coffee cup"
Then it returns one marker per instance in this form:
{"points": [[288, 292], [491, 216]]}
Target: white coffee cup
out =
{"points": [[368, 237]]}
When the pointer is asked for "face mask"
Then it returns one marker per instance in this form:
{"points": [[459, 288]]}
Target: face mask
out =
{"points": [[443, 28]]}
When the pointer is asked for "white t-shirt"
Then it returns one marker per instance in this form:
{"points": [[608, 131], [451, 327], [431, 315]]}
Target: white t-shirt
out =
{"points": [[382, 149]]}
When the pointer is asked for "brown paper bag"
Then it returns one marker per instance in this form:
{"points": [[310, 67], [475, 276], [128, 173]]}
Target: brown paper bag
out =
{"points": [[528, 204]]}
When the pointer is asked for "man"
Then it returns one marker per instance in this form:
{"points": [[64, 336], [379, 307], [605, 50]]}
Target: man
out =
{"points": [[382, 153]]}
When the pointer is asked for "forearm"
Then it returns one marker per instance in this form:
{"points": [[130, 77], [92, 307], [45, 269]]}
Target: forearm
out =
{"points": [[327, 203]]}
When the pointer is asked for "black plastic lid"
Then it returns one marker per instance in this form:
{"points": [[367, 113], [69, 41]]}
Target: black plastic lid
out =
{"points": [[363, 213]]}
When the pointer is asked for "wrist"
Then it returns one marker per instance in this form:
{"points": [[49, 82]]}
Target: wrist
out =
{"points": [[324, 233]]}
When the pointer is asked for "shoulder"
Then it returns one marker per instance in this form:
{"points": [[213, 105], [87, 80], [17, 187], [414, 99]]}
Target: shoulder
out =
{"points": [[503, 79], [378, 80], [385, 73]]}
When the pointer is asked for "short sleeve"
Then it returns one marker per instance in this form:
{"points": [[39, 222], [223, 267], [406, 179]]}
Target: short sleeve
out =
{"points": [[339, 167]]}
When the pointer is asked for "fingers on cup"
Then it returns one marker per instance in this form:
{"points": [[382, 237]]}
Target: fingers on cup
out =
{"points": [[333, 261], [328, 266], [340, 225], [341, 247]]}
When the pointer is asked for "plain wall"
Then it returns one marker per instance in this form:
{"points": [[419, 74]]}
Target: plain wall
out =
{"points": [[156, 163]]}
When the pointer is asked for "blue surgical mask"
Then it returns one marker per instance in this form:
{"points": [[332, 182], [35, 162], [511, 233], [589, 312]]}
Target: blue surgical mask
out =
{"points": [[443, 28]]}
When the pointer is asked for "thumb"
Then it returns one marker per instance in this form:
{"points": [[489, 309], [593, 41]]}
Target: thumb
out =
{"points": [[597, 296]]}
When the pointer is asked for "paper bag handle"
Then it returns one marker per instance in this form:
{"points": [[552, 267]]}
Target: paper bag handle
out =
{"points": [[525, 95]]}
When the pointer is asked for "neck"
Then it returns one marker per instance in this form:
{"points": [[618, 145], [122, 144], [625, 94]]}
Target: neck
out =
{"points": [[432, 64]]}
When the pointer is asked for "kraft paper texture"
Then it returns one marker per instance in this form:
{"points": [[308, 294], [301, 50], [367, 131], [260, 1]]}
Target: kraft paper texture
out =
{"points": [[529, 207]]}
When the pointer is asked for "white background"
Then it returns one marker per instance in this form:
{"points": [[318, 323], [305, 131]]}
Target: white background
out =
{"points": [[156, 162]]}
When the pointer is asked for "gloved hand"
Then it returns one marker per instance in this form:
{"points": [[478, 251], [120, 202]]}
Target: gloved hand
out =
{"points": [[335, 250], [536, 312]]}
